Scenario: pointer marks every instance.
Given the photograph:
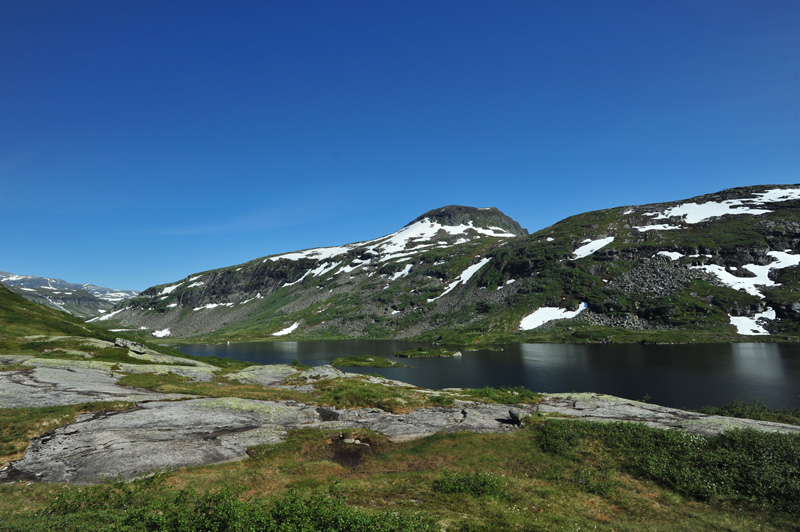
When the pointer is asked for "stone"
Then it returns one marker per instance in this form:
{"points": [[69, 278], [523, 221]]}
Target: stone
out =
{"points": [[136, 347]]}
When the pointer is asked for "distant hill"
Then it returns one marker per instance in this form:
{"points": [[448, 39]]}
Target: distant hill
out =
{"points": [[20, 318], [84, 300], [722, 266]]}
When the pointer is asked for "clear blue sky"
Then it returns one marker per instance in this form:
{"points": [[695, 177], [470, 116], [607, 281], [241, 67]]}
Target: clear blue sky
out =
{"points": [[141, 141]]}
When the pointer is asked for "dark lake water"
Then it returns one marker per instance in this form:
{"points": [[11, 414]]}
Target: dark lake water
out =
{"points": [[687, 376]]}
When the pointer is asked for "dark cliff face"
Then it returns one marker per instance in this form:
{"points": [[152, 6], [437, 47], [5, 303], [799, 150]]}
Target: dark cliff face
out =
{"points": [[455, 215]]}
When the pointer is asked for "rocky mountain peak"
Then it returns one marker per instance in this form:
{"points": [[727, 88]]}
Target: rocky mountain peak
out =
{"points": [[455, 215]]}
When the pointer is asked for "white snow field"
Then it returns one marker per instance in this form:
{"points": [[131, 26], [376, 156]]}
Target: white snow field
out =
{"points": [[591, 246], [543, 315], [287, 330]]}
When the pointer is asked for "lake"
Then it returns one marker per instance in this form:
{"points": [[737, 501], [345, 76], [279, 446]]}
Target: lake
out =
{"points": [[688, 376]]}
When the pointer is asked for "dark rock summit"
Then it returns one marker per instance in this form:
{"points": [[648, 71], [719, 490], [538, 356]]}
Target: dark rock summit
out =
{"points": [[456, 215]]}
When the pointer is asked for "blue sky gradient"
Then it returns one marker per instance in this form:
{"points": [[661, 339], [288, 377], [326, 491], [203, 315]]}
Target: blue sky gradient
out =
{"points": [[144, 141]]}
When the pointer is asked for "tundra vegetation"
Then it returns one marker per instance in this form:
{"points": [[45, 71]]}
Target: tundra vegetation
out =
{"points": [[550, 474]]}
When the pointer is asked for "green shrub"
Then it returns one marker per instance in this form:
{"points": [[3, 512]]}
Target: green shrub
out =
{"points": [[743, 466], [150, 505], [757, 410], [477, 484]]}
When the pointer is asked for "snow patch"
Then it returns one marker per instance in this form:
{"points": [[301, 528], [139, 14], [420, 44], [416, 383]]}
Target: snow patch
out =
{"points": [[210, 306], [258, 296], [105, 317], [591, 247], [411, 238], [693, 213], [198, 283], [749, 326], [674, 255], [465, 276], [172, 305], [657, 227], [291, 328], [402, 273], [162, 333], [750, 284], [169, 289], [543, 315]]}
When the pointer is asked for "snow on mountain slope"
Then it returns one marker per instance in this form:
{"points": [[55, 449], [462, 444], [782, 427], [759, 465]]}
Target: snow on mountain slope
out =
{"points": [[413, 238], [723, 262]]}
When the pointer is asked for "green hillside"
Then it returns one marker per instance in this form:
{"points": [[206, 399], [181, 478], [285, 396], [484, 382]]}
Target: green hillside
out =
{"points": [[720, 267]]}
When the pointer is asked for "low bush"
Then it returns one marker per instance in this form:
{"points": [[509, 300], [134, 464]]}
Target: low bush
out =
{"points": [[149, 505], [742, 466], [477, 484]]}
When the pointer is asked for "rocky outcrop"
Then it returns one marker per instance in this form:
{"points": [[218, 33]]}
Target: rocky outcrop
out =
{"points": [[165, 435], [657, 276], [606, 408], [136, 347], [70, 385], [162, 434]]}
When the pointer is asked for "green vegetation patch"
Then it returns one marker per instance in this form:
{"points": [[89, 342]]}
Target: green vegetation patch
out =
{"points": [[740, 466], [505, 395], [365, 362], [151, 505], [425, 352], [219, 387], [478, 484], [757, 410], [360, 393], [455, 482]]}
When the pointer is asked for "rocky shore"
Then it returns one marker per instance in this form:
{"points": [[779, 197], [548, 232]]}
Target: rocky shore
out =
{"points": [[162, 432]]}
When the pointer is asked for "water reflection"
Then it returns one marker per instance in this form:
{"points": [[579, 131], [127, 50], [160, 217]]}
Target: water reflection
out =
{"points": [[674, 375]]}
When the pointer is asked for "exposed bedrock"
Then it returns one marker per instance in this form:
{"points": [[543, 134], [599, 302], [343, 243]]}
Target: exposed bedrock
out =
{"points": [[171, 434]]}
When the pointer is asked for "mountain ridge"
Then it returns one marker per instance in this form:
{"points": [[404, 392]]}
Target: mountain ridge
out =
{"points": [[714, 267], [83, 300]]}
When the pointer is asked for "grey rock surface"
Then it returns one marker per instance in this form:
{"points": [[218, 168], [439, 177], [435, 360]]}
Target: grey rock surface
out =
{"points": [[597, 407], [49, 386], [166, 435]]}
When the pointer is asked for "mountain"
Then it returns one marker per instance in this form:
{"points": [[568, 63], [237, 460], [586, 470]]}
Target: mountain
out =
{"points": [[83, 300], [721, 267]]}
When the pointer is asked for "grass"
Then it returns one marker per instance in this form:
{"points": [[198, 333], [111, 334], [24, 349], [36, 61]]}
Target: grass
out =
{"points": [[219, 387], [365, 361], [742, 467], [757, 410], [424, 352], [14, 367], [558, 475], [504, 395]]}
